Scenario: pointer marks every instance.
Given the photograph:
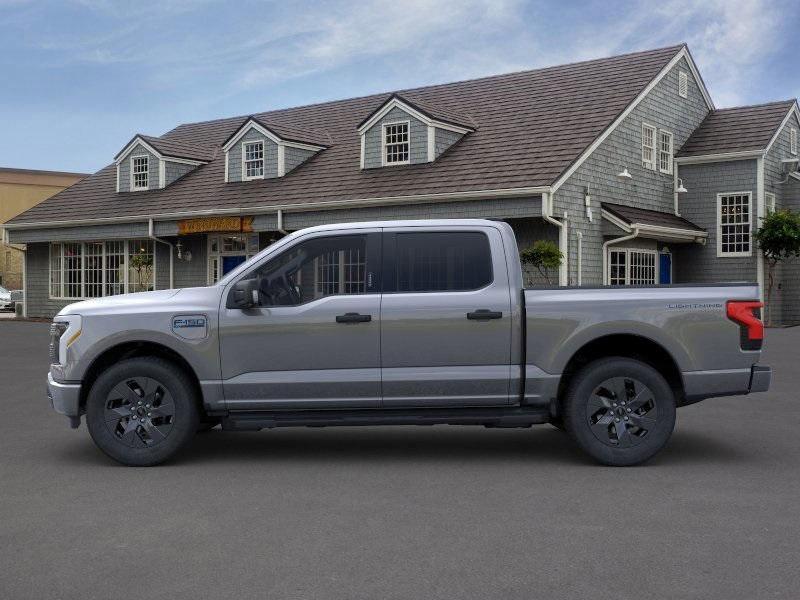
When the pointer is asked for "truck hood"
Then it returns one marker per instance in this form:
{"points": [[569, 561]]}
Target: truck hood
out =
{"points": [[135, 302]]}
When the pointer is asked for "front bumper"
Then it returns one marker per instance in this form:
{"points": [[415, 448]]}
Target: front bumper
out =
{"points": [[64, 398]]}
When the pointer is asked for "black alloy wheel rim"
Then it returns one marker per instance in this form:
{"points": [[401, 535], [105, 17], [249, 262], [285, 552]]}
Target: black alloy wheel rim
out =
{"points": [[140, 412], [622, 412]]}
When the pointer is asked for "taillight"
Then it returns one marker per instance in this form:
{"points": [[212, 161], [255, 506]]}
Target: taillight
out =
{"points": [[747, 314]]}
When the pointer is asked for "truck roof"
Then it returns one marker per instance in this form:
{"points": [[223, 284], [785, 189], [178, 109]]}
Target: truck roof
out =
{"points": [[403, 223]]}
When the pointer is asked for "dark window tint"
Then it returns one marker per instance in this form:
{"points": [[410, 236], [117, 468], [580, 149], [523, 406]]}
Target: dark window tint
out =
{"points": [[320, 267], [442, 262]]}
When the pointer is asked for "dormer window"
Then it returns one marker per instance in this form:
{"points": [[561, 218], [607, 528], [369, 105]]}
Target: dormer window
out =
{"points": [[140, 169], [405, 131], [396, 148], [253, 160]]}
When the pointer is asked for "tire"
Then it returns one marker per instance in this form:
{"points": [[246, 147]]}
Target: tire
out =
{"points": [[558, 423], [142, 411], [620, 411]]}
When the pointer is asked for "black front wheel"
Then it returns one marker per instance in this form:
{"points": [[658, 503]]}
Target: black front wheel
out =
{"points": [[141, 411], [620, 411]]}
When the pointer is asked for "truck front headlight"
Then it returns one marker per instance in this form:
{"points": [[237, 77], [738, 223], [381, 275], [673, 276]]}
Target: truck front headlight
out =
{"points": [[64, 331]]}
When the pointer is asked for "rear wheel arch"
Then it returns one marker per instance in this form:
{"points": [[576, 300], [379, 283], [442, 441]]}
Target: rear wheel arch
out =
{"points": [[624, 345]]}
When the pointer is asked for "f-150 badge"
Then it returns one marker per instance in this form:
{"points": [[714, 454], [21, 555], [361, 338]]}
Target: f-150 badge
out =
{"points": [[190, 327]]}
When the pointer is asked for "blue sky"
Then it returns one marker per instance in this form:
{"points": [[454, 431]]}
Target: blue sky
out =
{"points": [[81, 77]]}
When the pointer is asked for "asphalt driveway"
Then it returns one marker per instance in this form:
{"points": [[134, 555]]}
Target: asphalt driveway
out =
{"points": [[421, 513]]}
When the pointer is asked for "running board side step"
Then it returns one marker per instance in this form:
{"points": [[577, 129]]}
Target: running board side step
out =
{"points": [[488, 417]]}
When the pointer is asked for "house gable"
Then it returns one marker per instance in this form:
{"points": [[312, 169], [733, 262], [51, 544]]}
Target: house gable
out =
{"points": [[163, 167], [125, 165], [280, 155], [661, 107], [429, 134]]}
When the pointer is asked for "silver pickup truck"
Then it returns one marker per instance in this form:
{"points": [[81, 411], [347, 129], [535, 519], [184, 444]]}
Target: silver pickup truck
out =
{"points": [[400, 323]]}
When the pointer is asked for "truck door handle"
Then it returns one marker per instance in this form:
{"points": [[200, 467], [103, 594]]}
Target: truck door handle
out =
{"points": [[483, 314], [353, 318]]}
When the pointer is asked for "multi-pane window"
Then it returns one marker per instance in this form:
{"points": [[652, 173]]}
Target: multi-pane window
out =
{"points": [[396, 143], [648, 146], [734, 224], [665, 152], [253, 160], [632, 267], [140, 166], [683, 84], [140, 265], [618, 267], [95, 269], [115, 268], [769, 200], [793, 140]]}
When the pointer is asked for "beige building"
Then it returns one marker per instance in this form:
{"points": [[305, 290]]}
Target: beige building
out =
{"points": [[21, 189]]}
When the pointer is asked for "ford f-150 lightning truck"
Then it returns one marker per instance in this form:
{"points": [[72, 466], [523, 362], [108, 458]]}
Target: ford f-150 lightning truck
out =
{"points": [[400, 323]]}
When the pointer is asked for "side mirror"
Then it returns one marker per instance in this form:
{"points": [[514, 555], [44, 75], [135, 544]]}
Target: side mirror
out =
{"points": [[243, 294]]}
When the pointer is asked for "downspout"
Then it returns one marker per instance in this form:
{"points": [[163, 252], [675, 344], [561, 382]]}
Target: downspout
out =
{"points": [[580, 258], [151, 234], [280, 223], [675, 187], [606, 278], [760, 212], [547, 211]]}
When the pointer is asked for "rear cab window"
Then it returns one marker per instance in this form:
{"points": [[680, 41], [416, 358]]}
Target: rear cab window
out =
{"points": [[443, 261]]}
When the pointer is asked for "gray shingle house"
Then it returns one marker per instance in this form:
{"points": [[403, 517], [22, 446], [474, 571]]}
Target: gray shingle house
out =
{"points": [[623, 161]]}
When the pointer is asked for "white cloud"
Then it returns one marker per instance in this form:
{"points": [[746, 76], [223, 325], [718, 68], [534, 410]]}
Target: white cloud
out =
{"points": [[348, 32]]}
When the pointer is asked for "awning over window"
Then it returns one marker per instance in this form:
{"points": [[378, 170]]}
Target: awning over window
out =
{"points": [[652, 224]]}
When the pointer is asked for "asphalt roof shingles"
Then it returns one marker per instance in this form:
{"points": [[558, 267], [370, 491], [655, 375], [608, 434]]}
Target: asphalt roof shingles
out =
{"points": [[530, 127], [737, 129], [631, 215]]}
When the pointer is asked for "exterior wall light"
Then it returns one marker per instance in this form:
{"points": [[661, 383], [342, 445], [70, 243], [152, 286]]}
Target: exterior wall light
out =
{"points": [[624, 175], [680, 189]]}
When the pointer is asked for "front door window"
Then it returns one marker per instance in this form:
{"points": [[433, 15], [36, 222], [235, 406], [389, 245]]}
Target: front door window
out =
{"points": [[228, 251]]}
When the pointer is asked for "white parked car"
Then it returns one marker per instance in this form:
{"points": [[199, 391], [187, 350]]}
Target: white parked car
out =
{"points": [[5, 299]]}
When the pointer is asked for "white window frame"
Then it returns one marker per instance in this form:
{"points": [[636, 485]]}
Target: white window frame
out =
{"points": [[133, 159], [263, 160], [793, 140], [720, 253], [649, 164], [683, 84], [126, 285], [769, 202], [384, 126], [662, 154], [628, 251]]}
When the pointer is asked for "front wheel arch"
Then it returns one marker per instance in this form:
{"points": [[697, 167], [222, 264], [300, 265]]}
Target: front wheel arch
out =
{"points": [[137, 349]]}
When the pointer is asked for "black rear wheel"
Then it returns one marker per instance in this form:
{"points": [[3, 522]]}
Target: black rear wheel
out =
{"points": [[620, 411], [141, 411]]}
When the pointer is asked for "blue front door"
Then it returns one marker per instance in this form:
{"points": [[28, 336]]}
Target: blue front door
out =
{"points": [[665, 268], [229, 263]]}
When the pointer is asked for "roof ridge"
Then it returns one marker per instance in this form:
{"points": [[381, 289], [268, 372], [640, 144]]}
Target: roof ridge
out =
{"points": [[676, 48], [787, 102]]}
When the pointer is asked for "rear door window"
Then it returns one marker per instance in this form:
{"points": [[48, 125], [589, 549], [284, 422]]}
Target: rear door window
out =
{"points": [[447, 261]]}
